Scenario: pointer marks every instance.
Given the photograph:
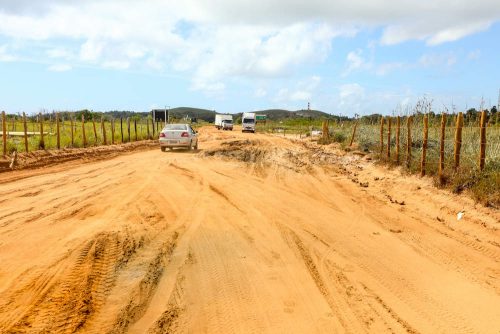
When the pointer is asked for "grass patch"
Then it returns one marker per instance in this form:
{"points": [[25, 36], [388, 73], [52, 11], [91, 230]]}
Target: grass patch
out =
{"points": [[483, 186]]}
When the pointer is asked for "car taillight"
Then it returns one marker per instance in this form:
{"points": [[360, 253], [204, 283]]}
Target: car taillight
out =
{"points": [[185, 134], [162, 135]]}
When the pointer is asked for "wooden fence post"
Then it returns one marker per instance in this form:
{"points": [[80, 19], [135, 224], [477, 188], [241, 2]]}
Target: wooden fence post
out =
{"points": [[128, 128], [153, 126], [95, 130], [121, 128], [398, 132], [389, 138], [135, 128], [408, 141], [103, 127], [25, 126], [112, 131], [458, 139], [72, 131], [441, 149], [381, 134], [42, 142], [353, 132], [424, 145], [482, 151], [147, 128], [84, 138], [324, 130], [4, 133], [57, 132]]}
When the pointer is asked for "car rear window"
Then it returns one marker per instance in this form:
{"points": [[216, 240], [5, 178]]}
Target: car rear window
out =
{"points": [[175, 127]]}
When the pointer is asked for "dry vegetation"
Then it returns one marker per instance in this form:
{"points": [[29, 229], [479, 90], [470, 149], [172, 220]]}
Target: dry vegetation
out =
{"points": [[483, 186]]}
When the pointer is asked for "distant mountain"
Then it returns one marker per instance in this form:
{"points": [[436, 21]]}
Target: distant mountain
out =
{"points": [[204, 114], [279, 114], [209, 115], [272, 114]]}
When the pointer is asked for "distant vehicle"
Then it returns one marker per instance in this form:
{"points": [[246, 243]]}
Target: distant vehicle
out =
{"points": [[248, 122], [178, 135], [227, 124], [219, 118]]}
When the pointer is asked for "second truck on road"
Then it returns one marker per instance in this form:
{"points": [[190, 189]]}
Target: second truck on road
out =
{"points": [[248, 122], [224, 122]]}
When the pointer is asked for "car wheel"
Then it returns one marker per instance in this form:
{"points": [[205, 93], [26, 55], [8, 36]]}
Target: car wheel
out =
{"points": [[196, 146], [163, 148]]}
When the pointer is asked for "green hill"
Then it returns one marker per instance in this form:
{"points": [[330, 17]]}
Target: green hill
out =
{"points": [[199, 113], [272, 114], [279, 114], [202, 114]]}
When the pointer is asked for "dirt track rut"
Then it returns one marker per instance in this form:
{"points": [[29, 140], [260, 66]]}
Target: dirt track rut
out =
{"points": [[250, 234]]}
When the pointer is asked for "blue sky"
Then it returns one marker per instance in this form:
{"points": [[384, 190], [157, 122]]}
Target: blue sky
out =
{"points": [[343, 57]]}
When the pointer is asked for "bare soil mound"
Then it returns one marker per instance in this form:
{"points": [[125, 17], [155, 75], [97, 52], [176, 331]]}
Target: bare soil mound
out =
{"points": [[43, 158]]}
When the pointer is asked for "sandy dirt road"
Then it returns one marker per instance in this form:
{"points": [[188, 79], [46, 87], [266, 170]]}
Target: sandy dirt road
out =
{"points": [[250, 234]]}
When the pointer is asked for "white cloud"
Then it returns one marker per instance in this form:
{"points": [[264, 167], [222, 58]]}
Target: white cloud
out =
{"points": [[354, 98], [386, 68], [300, 95], [474, 55], [228, 39], [260, 92], [59, 52], [60, 68], [116, 64], [437, 59], [261, 53], [4, 54], [355, 62], [303, 91], [91, 50], [350, 99], [455, 33], [212, 89]]}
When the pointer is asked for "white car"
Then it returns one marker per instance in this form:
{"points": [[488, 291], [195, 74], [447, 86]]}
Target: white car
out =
{"points": [[178, 135]]}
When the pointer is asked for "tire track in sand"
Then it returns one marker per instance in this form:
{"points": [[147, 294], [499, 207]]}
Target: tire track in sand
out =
{"points": [[74, 295], [167, 282]]}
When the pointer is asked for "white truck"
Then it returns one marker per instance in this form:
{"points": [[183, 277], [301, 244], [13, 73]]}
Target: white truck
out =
{"points": [[224, 122], [248, 122]]}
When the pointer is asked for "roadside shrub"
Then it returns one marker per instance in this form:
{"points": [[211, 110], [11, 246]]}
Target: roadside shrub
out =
{"points": [[338, 137], [484, 186]]}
